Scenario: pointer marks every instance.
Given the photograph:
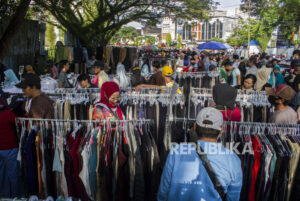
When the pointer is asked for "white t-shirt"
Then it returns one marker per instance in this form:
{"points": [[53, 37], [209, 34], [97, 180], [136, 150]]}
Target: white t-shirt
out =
{"points": [[236, 64], [179, 62], [252, 70]]}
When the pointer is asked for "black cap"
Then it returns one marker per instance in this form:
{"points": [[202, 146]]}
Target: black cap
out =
{"points": [[29, 80]]}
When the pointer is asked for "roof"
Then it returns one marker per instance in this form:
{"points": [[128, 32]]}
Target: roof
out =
{"points": [[154, 30]]}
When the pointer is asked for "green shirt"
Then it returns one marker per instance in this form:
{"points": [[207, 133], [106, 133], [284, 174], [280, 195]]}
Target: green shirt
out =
{"points": [[223, 75]]}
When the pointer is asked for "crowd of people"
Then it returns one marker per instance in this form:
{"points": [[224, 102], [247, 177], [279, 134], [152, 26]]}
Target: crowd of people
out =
{"points": [[260, 73]]}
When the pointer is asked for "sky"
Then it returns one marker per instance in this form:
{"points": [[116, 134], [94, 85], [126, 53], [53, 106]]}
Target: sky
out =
{"points": [[228, 4]]}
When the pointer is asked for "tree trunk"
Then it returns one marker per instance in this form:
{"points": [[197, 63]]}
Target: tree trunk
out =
{"points": [[13, 27]]}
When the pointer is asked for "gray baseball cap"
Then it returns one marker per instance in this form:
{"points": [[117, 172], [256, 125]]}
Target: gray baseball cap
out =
{"points": [[210, 114]]}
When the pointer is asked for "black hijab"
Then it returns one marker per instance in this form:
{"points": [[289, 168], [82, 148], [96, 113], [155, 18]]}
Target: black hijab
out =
{"points": [[224, 96]]}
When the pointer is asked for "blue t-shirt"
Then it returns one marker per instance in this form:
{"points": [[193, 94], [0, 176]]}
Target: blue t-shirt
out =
{"points": [[185, 178]]}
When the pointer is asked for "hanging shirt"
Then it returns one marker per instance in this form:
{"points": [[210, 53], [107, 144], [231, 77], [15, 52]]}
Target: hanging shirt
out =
{"points": [[184, 178], [10, 77], [8, 138]]}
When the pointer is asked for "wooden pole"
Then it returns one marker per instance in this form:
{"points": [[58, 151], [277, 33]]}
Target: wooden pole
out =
{"points": [[249, 12]]}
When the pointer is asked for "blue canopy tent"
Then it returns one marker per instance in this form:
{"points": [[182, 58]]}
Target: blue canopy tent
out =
{"points": [[253, 42], [228, 46], [212, 45]]}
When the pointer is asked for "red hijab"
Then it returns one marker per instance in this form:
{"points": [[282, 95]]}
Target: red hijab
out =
{"points": [[108, 89]]}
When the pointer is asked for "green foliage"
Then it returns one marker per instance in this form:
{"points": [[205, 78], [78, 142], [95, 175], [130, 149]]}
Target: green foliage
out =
{"points": [[125, 35], [51, 54], [240, 33], [272, 14], [179, 41], [217, 39], [128, 34], [233, 41], [138, 41], [194, 9], [7, 8], [61, 36], [95, 22], [150, 40], [296, 42], [168, 39], [50, 36]]}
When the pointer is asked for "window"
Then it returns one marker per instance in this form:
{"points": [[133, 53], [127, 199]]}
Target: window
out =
{"points": [[221, 30], [209, 31], [203, 30], [214, 30]]}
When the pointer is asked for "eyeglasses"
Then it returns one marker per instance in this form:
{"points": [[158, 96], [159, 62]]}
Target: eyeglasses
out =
{"points": [[115, 99]]}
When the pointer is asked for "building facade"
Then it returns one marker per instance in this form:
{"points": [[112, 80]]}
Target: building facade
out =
{"points": [[219, 25]]}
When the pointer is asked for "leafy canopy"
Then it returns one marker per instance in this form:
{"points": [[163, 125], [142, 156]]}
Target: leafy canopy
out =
{"points": [[168, 40], [272, 14], [95, 22]]}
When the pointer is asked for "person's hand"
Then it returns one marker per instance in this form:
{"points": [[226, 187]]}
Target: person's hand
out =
{"points": [[139, 87]]}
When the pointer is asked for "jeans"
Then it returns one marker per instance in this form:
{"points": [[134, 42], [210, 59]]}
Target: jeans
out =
{"points": [[10, 174]]}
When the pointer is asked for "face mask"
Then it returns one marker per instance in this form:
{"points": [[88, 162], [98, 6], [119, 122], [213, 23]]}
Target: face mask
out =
{"points": [[113, 103]]}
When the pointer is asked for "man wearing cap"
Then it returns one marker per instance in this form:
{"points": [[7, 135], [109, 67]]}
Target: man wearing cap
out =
{"points": [[39, 104], [167, 73], [280, 98], [157, 79], [185, 178]]}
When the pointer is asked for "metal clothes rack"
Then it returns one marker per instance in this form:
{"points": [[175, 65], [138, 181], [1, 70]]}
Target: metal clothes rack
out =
{"points": [[243, 97], [245, 123], [151, 98], [74, 90], [158, 89], [281, 128], [197, 74], [84, 121]]}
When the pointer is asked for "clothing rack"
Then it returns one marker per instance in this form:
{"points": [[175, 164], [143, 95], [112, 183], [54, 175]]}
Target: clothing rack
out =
{"points": [[244, 123], [84, 121], [75, 90], [243, 97], [158, 89], [151, 98], [196, 74], [275, 126], [95, 146]]}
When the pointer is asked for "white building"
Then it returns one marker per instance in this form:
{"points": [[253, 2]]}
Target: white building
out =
{"points": [[220, 25], [152, 31]]}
